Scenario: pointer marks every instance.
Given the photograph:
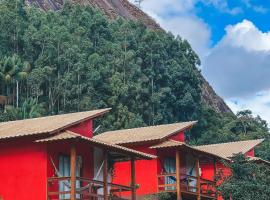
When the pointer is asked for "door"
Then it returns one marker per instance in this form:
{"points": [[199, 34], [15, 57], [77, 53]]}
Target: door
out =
{"points": [[170, 167], [191, 172], [64, 170]]}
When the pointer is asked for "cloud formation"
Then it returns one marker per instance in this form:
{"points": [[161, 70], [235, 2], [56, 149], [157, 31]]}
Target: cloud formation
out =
{"points": [[222, 6], [239, 65], [259, 104], [178, 17]]}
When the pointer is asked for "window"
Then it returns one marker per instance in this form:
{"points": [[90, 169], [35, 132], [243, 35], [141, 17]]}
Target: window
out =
{"points": [[170, 167], [64, 170]]}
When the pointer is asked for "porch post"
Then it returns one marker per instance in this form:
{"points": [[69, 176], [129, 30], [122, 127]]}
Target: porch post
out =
{"points": [[73, 172], [198, 178], [178, 175], [105, 175], [133, 181]]}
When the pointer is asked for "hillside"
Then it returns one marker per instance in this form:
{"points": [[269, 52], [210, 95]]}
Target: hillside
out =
{"points": [[112, 8], [115, 8]]}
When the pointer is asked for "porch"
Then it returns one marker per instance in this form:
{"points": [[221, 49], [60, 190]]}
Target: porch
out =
{"points": [[80, 168], [191, 187], [188, 173], [88, 191], [74, 187]]}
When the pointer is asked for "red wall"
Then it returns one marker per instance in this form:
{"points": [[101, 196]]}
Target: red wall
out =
{"points": [[23, 170], [208, 169], [84, 128], [145, 173], [25, 165], [250, 153], [179, 136]]}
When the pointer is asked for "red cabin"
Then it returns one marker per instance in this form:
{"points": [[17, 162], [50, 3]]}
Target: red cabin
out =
{"points": [[55, 157], [187, 171]]}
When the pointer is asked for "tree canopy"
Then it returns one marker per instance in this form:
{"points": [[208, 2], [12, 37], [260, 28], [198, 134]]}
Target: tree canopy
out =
{"points": [[249, 180]]}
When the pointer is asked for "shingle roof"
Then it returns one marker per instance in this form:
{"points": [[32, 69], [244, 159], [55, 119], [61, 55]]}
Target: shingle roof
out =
{"points": [[227, 150], [143, 134], [71, 135], [50, 124], [168, 144], [258, 160], [176, 144]]}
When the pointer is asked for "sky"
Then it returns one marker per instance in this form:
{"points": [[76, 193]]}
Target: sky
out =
{"points": [[232, 38]]}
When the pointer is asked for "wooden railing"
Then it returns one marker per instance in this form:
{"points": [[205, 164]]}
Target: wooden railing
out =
{"points": [[189, 184], [58, 188]]}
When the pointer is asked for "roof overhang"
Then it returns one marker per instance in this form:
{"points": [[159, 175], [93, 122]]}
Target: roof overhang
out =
{"points": [[117, 152], [113, 136], [30, 132], [172, 144]]}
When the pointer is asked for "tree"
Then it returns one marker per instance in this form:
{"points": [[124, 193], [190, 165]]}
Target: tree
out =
{"points": [[248, 181], [29, 109], [13, 70]]}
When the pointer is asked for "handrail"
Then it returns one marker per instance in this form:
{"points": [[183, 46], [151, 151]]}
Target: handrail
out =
{"points": [[206, 188], [88, 188]]}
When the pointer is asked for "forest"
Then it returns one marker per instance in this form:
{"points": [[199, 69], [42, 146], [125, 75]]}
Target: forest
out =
{"points": [[76, 59]]}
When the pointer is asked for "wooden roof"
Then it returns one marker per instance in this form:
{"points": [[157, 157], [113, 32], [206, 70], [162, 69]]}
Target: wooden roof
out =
{"points": [[259, 160], [50, 124], [168, 144], [71, 135], [176, 144], [227, 150], [143, 134]]}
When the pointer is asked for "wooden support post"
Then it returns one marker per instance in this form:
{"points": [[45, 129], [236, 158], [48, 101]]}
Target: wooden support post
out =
{"points": [[73, 172], [198, 179], [105, 175], [178, 175], [133, 181]]}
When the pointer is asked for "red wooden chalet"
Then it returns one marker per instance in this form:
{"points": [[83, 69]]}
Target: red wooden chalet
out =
{"points": [[55, 157], [187, 171]]}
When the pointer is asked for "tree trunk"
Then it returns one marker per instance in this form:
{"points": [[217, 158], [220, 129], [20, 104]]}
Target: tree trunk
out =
{"points": [[17, 93]]}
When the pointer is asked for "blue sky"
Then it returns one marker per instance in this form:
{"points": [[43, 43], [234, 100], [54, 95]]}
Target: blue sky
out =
{"points": [[255, 11], [232, 38]]}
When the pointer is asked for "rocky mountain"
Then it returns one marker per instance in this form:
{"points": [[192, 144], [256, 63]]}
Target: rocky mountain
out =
{"points": [[122, 8]]}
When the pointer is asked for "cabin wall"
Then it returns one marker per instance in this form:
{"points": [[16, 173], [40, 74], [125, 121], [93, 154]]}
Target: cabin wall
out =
{"points": [[250, 153], [179, 136], [145, 173], [23, 170], [84, 128], [207, 169], [222, 172]]}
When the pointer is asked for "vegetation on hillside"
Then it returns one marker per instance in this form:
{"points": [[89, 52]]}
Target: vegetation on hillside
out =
{"points": [[249, 180], [76, 59]]}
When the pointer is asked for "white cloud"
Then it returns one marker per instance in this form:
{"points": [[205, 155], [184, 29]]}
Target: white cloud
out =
{"points": [[177, 17], [239, 65], [247, 36], [222, 6], [187, 28], [259, 104], [257, 8]]}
